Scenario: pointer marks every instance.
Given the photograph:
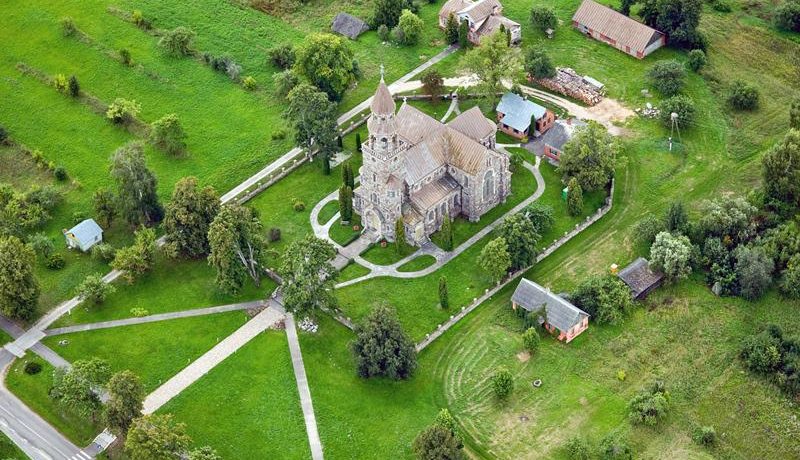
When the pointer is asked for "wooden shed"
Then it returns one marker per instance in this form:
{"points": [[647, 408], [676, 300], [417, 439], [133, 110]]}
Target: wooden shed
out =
{"points": [[614, 28]]}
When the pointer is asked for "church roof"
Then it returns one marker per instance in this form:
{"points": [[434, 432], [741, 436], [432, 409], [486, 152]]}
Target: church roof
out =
{"points": [[431, 194], [466, 154], [382, 102], [423, 158], [473, 124], [414, 125]]}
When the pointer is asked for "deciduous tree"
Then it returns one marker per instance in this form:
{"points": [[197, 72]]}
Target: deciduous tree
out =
{"points": [[412, 27], [77, 388], [753, 271], [494, 258], [502, 383], [538, 64], [19, 290], [178, 41], [605, 298], [314, 118], [327, 62], [678, 19], [157, 437], [437, 443], [681, 105], [451, 30], [125, 400], [589, 157], [308, 275], [382, 348], [188, 217], [433, 84], [136, 186], [237, 247], [521, 238], [543, 18], [387, 12], [94, 290], [668, 77], [138, 258], [493, 62], [168, 135], [672, 255], [794, 115], [781, 171], [105, 206]]}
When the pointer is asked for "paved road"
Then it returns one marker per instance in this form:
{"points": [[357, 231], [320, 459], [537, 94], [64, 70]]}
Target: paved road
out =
{"points": [[302, 387], [27, 430], [155, 318], [202, 365]]}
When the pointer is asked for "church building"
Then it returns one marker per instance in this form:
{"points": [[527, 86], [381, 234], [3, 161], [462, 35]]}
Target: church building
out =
{"points": [[420, 170]]}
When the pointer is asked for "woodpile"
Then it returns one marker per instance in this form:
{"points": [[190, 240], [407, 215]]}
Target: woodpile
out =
{"points": [[570, 84]]}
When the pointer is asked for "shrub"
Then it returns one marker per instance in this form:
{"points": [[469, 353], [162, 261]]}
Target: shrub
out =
{"points": [[141, 22], [60, 173], [168, 135], [790, 283], [274, 234], [502, 383], [697, 60], [284, 83], [787, 16], [104, 252], [672, 254], [233, 70], [621, 375], [79, 216], [32, 368], [753, 271], [704, 435], [298, 205], [646, 229], [73, 88], [125, 56], [279, 134], [762, 352], [723, 6], [649, 406], [3, 135], [94, 290], [543, 18], [68, 26], [614, 448], [42, 245], [411, 25], [577, 449], [605, 298], [178, 41], [282, 56], [383, 32], [60, 83], [530, 340], [667, 77], [398, 35], [538, 64], [743, 96], [249, 83], [123, 110], [139, 312], [56, 261], [681, 105]]}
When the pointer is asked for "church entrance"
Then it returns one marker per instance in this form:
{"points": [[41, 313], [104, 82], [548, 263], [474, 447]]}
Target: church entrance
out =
{"points": [[374, 222]]}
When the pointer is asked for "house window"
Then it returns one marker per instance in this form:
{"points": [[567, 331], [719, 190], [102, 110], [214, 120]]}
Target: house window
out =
{"points": [[391, 193], [374, 197], [488, 185], [374, 177]]}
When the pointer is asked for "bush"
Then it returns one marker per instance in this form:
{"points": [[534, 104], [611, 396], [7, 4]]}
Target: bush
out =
{"points": [[667, 77], [383, 32], [32, 368], [646, 229], [42, 245], [502, 383], [60, 83], [56, 261], [125, 56], [577, 449], [697, 60], [282, 56], [681, 105], [762, 352], [298, 205], [411, 25], [284, 83], [3, 135], [249, 83], [68, 26], [753, 271], [704, 435], [672, 254], [538, 64], [605, 298], [398, 35], [104, 252], [649, 406], [123, 110], [73, 88], [274, 234], [178, 41], [743, 96], [78, 217], [723, 6], [787, 16], [168, 135], [94, 290], [614, 448], [139, 312], [530, 340], [543, 18], [279, 134], [60, 173], [141, 22]]}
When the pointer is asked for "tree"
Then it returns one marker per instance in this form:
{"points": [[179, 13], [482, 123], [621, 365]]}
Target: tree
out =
{"points": [[19, 290], [681, 105], [178, 41], [284, 83], [345, 203], [589, 157], [76, 389], [574, 198], [444, 297], [794, 116], [358, 142], [781, 171], [753, 271], [327, 62], [123, 111], [382, 348], [538, 65], [157, 437], [447, 233], [314, 118], [762, 352], [237, 247], [543, 18], [787, 16], [530, 340], [204, 453], [282, 56], [494, 259], [648, 407], [445, 420], [348, 178], [139, 258], [188, 217], [790, 284], [577, 448], [697, 60], [125, 400], [672, 255], [521, 239], [451, 30], [136, 186], [167, 134], [668, 77], [463, 35], [73, 88], [625, 7], [678, 19], [541, 216], [105, 206], [729, 218], [437, 443], [502, 383], [676, 219], [743, 96], [399, 235], [433, 84], [411, 25], [94, 290], [605, 298], [308, 275], [42, 245], [387, 12], [493, 62]]}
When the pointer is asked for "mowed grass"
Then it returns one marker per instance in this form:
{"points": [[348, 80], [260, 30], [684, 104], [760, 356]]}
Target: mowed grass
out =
{"points": [[248, 404], [9, 450], [419, 263]]}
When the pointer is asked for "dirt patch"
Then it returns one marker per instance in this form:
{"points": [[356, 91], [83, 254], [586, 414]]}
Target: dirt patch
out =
{"points": [[523, 356]]}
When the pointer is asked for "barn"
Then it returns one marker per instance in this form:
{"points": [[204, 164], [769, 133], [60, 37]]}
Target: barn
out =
{"points": [[614, 28]]}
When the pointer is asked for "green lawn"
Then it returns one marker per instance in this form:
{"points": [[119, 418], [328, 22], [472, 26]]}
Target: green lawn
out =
{"points": [[328, 211], [351, 271], [345, 234], [9, 450], [388, 254], [417, 264], [249, 403]]}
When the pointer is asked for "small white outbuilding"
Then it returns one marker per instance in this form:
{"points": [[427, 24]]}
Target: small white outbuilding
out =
{"points": [[84, 235]]}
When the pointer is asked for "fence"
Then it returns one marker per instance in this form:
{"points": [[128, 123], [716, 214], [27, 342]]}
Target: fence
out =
{"points": [[442, 328]]}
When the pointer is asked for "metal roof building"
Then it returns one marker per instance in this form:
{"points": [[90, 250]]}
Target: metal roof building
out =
{"points": [[84, 235], [560, 314], [518, 111], [616, 29]]}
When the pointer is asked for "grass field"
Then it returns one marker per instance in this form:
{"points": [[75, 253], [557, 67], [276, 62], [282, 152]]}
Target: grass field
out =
{"points": [[417, 264], [8, 450], [247, 404]]}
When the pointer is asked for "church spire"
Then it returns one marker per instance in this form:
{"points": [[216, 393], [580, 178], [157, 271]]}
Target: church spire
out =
{"points": [[382, 102]]}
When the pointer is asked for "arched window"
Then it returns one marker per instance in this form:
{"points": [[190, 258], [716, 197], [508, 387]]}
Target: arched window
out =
{"points": [[488, 185]]}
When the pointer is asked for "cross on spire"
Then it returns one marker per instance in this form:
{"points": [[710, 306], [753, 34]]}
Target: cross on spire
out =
{"points": [[381, 72]]}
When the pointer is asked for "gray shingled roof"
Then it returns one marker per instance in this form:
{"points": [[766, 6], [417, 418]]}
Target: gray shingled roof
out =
{"points": [[640, 277], [518, 111], [560, 313], [349, 25], [616, 26], [86, 231], [557, 136]]}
